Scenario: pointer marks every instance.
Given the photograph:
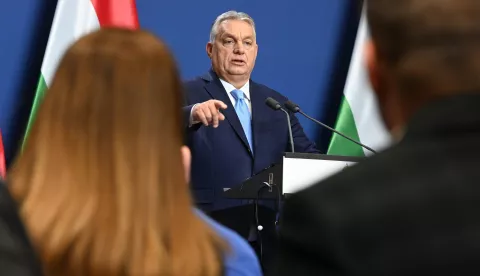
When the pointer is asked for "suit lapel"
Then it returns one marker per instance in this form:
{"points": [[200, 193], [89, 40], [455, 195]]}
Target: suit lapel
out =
{"points": [[216, 90], [259, 113]]}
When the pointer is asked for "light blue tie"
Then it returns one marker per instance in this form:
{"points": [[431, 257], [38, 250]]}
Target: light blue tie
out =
{"points": [[243, 114]]}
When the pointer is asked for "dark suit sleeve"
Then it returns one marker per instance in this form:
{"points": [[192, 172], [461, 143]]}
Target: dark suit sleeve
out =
{"points": [[306, 244], [186, 110], [300, 140], [17, 256]]}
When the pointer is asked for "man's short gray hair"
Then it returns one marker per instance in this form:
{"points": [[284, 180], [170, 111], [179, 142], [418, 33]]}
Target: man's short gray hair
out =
{"points": [[230, 15]]}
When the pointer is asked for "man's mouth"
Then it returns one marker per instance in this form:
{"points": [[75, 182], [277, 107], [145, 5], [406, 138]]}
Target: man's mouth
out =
{"points": [[238, 61]]}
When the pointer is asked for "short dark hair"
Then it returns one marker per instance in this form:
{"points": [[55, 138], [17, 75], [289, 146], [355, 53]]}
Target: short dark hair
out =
{"points": [[428, 43]]}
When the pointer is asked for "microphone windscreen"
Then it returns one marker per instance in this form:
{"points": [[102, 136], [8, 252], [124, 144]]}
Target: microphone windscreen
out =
{"points": [[272, 103], [293, 107]]}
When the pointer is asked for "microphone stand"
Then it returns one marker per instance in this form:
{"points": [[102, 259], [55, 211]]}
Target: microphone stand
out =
{"points": [[335, 131], [292, 145], [293, 107]]}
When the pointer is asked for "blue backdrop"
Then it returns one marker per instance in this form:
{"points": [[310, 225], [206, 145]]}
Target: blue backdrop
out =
{"points": [[304, 50]]}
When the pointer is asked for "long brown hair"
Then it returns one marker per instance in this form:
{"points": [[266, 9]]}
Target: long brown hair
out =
{"points": [[100, 181]]}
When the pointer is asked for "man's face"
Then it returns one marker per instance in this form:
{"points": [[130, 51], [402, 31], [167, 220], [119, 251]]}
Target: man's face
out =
{"points": [[234, 50]]}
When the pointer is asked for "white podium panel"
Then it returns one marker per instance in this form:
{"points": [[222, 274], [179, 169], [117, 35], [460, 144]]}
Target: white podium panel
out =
{"points": [[299, 173]]}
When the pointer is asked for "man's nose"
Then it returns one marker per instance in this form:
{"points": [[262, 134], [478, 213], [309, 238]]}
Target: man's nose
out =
{"points": [[239, 48]]}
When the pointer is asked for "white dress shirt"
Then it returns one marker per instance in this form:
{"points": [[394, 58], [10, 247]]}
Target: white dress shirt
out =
{"points": [[228, 89], [245, 89]]}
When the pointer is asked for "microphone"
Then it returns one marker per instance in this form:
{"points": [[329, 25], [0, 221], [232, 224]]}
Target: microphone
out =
{"points": [[275, 105], [293, 107]]}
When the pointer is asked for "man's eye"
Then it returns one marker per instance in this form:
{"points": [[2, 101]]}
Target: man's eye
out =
{"points": [[228, 41], [249, 43]]}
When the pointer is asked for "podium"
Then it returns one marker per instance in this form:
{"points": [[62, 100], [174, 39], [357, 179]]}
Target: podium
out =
{"points": [[296, 171], [267, 189]]}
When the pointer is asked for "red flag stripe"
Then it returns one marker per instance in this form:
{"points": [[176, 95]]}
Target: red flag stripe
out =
{"points": [[3, 167], [116, 13]]}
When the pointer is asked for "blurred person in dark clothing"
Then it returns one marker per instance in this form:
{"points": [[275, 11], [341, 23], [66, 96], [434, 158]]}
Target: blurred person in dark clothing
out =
{"points": [[17, 257], [414, 208]]}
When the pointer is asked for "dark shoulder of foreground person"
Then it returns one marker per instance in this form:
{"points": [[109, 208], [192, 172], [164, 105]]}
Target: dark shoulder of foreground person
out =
{"points": [[309, 237], [17, 256]]}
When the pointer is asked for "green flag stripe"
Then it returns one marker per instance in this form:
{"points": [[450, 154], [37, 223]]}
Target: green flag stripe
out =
{"points": [[345, 124], [41, 88]]}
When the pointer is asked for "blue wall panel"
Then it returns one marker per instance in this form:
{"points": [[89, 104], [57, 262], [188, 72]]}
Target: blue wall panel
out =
{"points": [[300, 43]]}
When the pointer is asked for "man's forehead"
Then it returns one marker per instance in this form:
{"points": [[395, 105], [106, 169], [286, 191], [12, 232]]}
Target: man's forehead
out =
{"points": [[234, 27]]}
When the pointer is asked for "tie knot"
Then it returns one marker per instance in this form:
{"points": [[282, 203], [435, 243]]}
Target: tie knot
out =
{"points": [[238, 94]]}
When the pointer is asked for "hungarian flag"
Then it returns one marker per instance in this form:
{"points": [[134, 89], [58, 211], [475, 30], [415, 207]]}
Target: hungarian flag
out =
{"points": [[3, 166], [74, 19], [359, 117]]}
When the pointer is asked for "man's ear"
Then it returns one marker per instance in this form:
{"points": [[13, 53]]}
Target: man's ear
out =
{"points": [[187, 160], [379, 80], [371, 60], [209, 48]]}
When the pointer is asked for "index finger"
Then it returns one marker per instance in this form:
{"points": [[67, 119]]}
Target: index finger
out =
{"points": [[219, 104]]}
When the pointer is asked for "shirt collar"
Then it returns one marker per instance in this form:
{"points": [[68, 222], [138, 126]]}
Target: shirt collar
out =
{"points": [[245, 88]]}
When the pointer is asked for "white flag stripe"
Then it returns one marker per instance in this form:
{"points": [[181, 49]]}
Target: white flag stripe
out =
{"points": [[362, 101], [73, 19]]}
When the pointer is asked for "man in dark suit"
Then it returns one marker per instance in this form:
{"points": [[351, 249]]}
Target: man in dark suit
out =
{"points": [[252, 136], [17, 256], [414, 208]]}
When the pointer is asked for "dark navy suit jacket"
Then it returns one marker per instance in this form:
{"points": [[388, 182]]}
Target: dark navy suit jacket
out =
{"points": [[221, 157]]}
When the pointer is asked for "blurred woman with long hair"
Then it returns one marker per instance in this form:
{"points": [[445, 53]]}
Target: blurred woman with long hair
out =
{"points": [[102, 180]]}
